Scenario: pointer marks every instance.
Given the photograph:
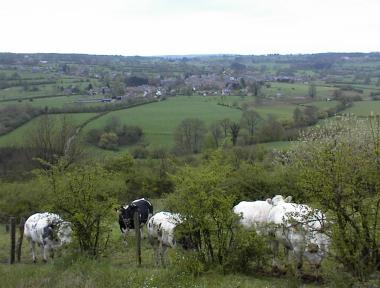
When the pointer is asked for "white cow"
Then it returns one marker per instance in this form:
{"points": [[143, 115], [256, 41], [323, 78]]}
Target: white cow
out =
{"points": [[161, 234], [295, 226], [300, 229], [49, 231], [255, 214]]}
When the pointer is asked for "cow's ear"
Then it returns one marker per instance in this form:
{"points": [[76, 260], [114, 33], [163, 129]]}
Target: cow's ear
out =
{"points": [[269, 201], [288, 199]]}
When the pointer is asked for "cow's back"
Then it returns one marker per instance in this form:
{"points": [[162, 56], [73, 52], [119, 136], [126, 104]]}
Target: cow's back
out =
{"points": [[35, 225], [253, 213], [145, 208], [161, 226]]}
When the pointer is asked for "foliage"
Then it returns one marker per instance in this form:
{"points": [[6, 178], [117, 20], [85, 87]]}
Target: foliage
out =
{"points": [[207, 214], [84, 196], [250, 119], [246, 247], [189, 136], [22, 199], [52, 138], [108, 140], [113, 135], [338, 166], [13, 116]]}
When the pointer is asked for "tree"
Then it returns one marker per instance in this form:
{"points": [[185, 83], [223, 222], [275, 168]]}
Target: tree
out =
{"points": [[51, 138], [255, 88], [338, 168], [216, 133], [208, 210], [113, 124], [272, 130], [234, 129], [84, 196], [225, 124], [109, 141], [312, 91], [189, 135], [250, 119]]}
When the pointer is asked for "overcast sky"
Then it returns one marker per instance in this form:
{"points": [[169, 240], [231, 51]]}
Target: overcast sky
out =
{"points": [[169, 27]]}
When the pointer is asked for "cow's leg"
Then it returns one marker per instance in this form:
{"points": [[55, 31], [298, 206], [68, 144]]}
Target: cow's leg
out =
{"points": [[299, 258], [124, 235], [157, 254], [275, 246], [163, 253], [45, 250], [32, 246], [142, 231], [52, 253]]}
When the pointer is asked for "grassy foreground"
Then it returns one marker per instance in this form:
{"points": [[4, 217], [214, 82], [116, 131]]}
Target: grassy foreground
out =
{"points": [[117, 269]]}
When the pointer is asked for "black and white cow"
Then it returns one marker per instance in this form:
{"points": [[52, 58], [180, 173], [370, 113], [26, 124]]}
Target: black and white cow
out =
{"points": [[144, 209], [49, 231]]}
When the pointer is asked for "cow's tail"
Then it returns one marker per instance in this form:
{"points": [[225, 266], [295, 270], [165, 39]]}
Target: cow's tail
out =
{"points": [[150, 212]]}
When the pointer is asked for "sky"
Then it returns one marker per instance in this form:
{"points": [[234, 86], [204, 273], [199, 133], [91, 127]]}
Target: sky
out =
{"points": [[188, 27]]}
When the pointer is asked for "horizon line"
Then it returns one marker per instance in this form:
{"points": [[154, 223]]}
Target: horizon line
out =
{"points": [[196, 54]]}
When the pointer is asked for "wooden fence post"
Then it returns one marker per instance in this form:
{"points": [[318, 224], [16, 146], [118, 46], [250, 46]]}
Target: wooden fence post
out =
{"points": [[13, 239], [136, 222], [20, 238]]}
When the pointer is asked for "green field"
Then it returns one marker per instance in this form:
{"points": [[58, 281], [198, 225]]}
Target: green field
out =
{"points": [[18, 136], [364, 108], [57, 102], [295, 90], [159, 120]]}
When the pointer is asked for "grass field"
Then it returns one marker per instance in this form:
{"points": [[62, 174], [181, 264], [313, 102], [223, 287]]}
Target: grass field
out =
{"points": [[292, 91], [118, 269], [159, 120], [323, 105], [364, 108], [18, 136], [57, 102]]}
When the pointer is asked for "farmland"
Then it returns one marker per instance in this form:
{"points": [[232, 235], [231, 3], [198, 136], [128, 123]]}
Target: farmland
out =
{"points": [[196, 135], [19, 136]]}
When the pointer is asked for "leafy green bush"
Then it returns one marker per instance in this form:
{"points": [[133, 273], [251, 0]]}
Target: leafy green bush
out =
{"points": [[84, 195], [208, 207], [248, 251], [338, 169]]}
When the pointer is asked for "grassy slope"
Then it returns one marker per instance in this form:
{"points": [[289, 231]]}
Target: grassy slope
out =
{"points": [[18, 136], [159, 120], [118, 269], [364, 108]]}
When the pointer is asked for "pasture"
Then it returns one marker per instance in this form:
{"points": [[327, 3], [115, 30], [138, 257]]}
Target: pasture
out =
{"points": [[296, 91], [364, 108], [159, 120], [118, 268], [18, 137]]}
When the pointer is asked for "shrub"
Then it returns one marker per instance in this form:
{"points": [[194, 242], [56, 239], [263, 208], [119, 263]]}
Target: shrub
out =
{"points": [[247, 248], [84, 196], [108, 141], [208, 207], [338, 168]]}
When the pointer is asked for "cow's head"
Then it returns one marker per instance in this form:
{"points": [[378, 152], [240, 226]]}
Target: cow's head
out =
{"points": [[64, 232], [187, 240], [58, 232], [126, 217], [279, 199], [317, 248]]}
